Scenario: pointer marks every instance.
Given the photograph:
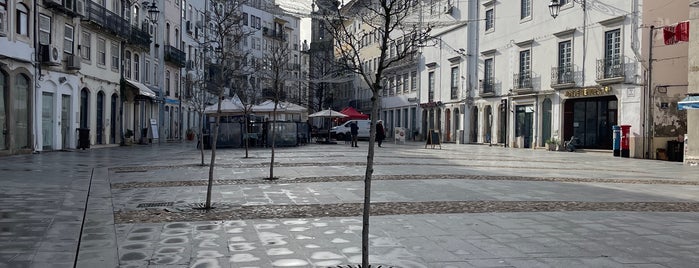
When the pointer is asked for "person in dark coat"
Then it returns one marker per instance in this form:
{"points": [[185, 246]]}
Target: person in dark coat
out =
{"points": [[380, 133], [354, 131]]}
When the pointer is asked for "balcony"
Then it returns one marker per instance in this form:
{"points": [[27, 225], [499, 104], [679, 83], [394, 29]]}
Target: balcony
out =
{"points": [[610, 70], [562, 77], [271, 33], [69, 7], [405, 62], [294, 66], [487, 87], [175, 56], [522, 82], [139, 38], [105, 19]]}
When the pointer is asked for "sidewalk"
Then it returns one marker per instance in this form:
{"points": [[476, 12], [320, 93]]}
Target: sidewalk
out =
{"points": [[43, 200]]}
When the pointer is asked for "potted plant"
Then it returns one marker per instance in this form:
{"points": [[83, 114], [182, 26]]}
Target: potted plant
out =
{"points": [[129, 136], [552, 144], [189, 134]]}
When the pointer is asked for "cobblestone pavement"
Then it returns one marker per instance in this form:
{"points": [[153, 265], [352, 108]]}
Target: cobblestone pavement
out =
{"points": [[461, 206]]}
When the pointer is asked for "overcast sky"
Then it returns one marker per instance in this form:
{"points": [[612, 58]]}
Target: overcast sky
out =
{"points": [[299, 7]]}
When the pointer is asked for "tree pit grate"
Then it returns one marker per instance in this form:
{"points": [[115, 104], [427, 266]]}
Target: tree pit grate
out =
{"points": [[154, 204]]}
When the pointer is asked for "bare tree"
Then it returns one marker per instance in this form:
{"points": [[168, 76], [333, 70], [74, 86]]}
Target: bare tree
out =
{"points": [[223, 42], [276, 72], [381, 20], [198, 99]]}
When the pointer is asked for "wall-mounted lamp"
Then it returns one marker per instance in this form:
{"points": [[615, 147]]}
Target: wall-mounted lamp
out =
{"points": [[62, 79], [153, 11], [555, 6]]}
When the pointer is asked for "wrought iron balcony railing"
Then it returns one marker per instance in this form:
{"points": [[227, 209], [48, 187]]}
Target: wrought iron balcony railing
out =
{"points": [[562, 76], [105, 19], [522, 81], [610, 69], [487, 87], [175, 56]]}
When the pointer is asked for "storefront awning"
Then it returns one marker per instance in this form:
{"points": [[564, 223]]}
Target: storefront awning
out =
{"points": [[143, 90], [690, 102]]}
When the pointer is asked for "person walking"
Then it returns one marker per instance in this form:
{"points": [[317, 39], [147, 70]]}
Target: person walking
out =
{"points": [[380, 132], [354, 131]]}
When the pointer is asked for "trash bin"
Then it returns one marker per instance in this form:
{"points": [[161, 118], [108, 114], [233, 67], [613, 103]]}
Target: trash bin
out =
{"points": [[675, 151], [83, 138]]}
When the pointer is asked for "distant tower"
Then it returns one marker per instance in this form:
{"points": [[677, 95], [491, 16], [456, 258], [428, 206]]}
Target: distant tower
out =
{"points": [[321, 53]]}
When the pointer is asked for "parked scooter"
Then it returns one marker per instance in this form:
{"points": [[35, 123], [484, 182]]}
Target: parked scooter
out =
{"points": [[568, 145]]}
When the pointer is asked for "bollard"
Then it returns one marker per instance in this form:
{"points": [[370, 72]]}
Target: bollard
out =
{"points": [[625, 140], [616, 144]]}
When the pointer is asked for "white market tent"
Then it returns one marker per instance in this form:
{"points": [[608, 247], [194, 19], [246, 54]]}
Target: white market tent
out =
{"points": [[232, 106], [286, 111]]}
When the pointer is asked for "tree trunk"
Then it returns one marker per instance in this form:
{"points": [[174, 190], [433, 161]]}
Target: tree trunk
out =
{"points": [[367, 178], [274, 122]]}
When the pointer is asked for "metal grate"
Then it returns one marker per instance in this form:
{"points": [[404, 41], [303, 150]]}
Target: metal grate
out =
{"points": [[154, 204]]}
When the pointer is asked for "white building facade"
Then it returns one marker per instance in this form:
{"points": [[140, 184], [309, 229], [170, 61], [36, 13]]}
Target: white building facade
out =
{"points": [[543, 78]]}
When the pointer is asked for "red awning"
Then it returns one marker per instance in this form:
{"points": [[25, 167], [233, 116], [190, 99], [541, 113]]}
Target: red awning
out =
{"points": [[353, 114]]}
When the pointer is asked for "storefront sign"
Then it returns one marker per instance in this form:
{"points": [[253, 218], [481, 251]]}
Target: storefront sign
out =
{"points": [[587, 92]]}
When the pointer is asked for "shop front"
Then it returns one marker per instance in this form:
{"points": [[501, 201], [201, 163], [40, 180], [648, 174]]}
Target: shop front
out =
{"points": [[588, 115]]}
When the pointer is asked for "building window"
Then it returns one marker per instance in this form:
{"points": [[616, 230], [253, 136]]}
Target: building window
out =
{"points": [[454, 82], [155, 75], [114, 50], [245, 18], [44, 29], [136, 12], [430, 87], [489, 19], [116, 7], [127, 64], [101, 51], [413, 81], [177, 85], [22, 20], [85, 47], [406, 82], [146, 74], [565, 62], [136, 69], [612, 53], [68, 39], [526, 9], [488, 75], [167, 83], [525, 65]]}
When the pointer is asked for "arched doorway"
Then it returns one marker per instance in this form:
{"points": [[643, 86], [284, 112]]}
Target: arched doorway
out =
{"points": [[447, 125], [4, 92], [425, 118], [100, 117], [488, 123], [545, 121], [474, 125], [84, 108], [22, 112], [113, 120], [502, 130]]}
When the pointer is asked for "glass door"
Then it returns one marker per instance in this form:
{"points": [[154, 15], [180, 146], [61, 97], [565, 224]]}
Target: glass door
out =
{"points": [[3, 118], [47, 120]]}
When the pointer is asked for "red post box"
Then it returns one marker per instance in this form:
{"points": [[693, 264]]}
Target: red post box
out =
{"points": [[625, 129]]}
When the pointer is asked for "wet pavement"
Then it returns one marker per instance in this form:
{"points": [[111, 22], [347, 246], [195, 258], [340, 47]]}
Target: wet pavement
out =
{"points": [[47, 218]]}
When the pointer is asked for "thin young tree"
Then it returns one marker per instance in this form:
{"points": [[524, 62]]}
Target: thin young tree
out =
{"points": [[276, 72], [384, 22], [198, 100], [223, 40]]}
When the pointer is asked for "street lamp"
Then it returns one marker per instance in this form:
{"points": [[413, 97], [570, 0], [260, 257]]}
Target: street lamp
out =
{"points": [[153, 11], [555, 6]]}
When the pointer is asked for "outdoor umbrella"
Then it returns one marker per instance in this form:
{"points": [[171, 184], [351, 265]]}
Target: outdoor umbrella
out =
{"points": [[329, 113]]}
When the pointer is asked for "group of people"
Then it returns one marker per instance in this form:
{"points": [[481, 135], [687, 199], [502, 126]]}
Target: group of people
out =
{"points": [[380, 133]]}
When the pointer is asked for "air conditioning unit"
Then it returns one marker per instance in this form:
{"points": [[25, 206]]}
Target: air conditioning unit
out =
{"points": [[50, 55], [448, 9], [79, 7], [73, 62], [190, 65], [53, 2], [188, 26], [3, 22], [69, 4]]}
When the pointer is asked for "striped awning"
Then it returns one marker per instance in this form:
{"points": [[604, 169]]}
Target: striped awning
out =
{"points": [[143, 90]]}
